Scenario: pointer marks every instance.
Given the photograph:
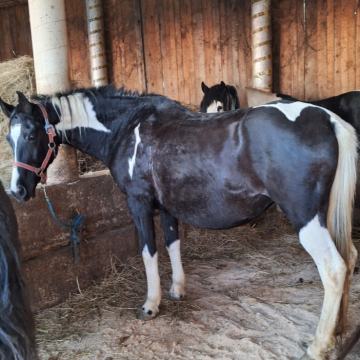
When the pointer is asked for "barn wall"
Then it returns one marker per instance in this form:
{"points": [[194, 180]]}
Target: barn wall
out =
{"points": [[170, 46], [15, 39], [316, 48]]}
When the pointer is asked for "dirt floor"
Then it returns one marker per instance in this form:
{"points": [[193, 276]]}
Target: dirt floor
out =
{"points": [[252, 293]]}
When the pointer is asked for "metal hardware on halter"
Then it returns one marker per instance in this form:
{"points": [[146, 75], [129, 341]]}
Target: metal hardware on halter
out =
{"points": [[50, 131]]}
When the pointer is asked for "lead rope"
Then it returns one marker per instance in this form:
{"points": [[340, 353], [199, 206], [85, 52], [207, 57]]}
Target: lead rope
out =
{"points": [[74, 225]]}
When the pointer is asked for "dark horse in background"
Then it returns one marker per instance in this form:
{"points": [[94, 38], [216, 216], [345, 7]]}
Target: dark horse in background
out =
{"points": [[17, 335], [346, 105], [212, 171], [219, 98]]}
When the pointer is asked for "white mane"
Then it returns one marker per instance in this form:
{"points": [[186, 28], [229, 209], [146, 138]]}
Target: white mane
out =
{"points": [[76, 111]]}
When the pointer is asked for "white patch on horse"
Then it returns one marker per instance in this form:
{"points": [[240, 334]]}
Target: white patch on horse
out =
{"points": [[177, 290], [293, 110], [332, 269], [133, 158], [153, 282], [76, 111], [171, 228], [15, 132], [214, 106]]}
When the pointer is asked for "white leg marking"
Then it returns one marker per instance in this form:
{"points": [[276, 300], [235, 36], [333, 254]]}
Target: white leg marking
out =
{"points": [[215, 106], [133, 158], [177, 290], [15, 132], [332, 269], [151, 306]]}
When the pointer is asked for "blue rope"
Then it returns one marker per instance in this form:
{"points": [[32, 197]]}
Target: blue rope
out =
{"points": [[74, 225]]}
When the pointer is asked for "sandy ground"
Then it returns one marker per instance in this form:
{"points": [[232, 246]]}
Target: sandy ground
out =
{"points": [[258, 299]]}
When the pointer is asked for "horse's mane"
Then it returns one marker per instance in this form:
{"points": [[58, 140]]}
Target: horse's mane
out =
{"points": [[16, 325]]}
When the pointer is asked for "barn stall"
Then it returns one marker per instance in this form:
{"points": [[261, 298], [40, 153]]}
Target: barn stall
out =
{"points": [[252, 291]]}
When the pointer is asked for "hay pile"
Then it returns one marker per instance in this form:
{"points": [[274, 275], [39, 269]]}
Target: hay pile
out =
{"points": [[15, 75]]}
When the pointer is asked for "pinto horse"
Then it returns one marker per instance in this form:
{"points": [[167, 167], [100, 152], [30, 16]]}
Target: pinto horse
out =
{"points": [[17, 336], [212, 171], [219, 98]]}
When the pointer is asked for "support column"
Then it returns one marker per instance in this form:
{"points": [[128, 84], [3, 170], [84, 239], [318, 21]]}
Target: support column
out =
{"points": [[49, 41], [95, 20], [261, 44]]}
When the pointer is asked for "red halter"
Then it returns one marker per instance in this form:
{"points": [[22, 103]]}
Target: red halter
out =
{"points": [[50, 130]]}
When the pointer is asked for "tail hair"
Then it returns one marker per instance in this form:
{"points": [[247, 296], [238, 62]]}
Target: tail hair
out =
{"points": [[339, 216]]}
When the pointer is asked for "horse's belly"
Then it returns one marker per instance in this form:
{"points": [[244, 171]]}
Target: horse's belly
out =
{"points": [[218, 214]]}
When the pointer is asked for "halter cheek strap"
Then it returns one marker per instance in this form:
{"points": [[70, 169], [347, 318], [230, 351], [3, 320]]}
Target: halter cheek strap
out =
{"points": [[50, 130]]}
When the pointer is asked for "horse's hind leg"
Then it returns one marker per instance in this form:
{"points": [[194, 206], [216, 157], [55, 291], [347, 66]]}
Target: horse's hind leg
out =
{"points": [[170, 227], [318, 243], [353, 255], [143, 217]]}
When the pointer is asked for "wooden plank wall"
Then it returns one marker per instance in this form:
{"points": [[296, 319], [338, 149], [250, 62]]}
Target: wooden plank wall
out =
{"points": [[316, 48], [170, 46], [15, 38]]}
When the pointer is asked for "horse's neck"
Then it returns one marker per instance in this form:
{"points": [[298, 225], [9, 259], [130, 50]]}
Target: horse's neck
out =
{"points": [[79, 127]]}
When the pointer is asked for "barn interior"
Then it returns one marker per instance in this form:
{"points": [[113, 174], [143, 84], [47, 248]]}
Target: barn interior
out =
{"points": [[252, 291]]}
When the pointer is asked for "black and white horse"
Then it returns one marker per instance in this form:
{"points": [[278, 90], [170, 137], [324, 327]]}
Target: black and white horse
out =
{"points": [[219, 98], [17, 336], [212, 171]]}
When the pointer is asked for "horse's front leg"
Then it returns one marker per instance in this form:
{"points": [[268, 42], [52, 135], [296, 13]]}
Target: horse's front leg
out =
{"points": [[143, 217], [171, 233]]}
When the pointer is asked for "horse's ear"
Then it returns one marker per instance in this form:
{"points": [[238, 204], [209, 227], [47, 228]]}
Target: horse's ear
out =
{"points": [[204, 88], [222, 84], [6, 108], [24, 103]]}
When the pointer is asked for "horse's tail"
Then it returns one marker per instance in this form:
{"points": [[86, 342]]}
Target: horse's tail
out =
{"points": [[339, 216]]}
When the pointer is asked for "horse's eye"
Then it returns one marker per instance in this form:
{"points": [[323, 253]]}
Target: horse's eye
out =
{"points": [[31, 137], [219, 108]]}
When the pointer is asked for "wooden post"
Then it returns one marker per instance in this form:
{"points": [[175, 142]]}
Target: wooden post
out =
{"points": [[49, 41], [261, 44], [94, 13]]}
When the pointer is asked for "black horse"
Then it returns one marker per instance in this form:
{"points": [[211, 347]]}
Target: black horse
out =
{"points": [[219, 98], [213, 171], [17, 336]]}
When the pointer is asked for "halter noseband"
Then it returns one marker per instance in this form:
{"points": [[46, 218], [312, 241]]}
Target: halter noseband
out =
{"points": [[50, 130]]}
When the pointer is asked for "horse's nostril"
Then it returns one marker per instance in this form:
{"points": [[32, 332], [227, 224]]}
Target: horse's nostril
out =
{"points": [[21, 192]]}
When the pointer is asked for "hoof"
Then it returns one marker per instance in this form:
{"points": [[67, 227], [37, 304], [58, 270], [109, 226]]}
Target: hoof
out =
{"points": [[177, 292]]}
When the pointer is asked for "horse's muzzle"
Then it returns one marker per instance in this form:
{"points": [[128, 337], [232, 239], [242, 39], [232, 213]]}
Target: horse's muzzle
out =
{"points": [[21, 194]]}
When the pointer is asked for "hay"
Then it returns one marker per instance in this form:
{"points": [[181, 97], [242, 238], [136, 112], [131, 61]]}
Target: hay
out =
{"points": [[123, 289], [258, 247], [15, 75]]}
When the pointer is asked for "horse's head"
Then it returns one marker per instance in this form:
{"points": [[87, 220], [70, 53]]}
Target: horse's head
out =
{"points": [[215, 98], [30, 142], [219, 98]]}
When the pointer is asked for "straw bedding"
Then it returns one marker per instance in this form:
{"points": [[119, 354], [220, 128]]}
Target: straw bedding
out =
{"points": [[252, 293]]}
